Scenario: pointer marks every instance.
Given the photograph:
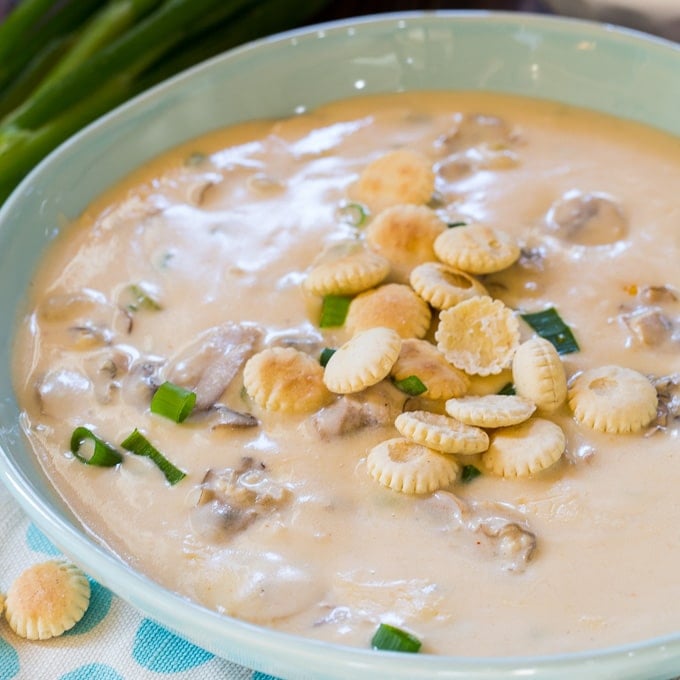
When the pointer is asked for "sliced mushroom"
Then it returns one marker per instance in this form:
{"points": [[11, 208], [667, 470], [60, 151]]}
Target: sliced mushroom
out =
{"points": [[509, 538], [220, 416], [658, 294], [474, 130], [142, 380], [668, 409], [648, 325], [231, 499], [375, 406], [589, 219], [210, 363], [86, 317]]}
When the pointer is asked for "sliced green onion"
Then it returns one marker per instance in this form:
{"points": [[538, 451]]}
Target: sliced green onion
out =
{"points": [[468, 473], [393, 639], [353, 213], [334, 310], [138, 444], [173, 402], [326, 354], [507, 389], [104, 455], [140, 299], [453, 225], [195, 158], [549, 325], [412, 385]]}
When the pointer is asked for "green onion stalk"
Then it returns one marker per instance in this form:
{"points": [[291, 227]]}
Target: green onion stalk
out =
{"points": [[95, 56]]}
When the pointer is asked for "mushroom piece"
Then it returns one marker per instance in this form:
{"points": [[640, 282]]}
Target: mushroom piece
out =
{"points": [[590, 219], [509, 538], [476, 130], [649, 325], [219, 417], [142, 380], [209, 364], [231, 499], [668, 405], [87, 317], [375, 406]]}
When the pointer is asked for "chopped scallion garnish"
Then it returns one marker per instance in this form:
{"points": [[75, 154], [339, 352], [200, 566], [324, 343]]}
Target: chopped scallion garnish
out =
{"points": [[138, 444], [334, 310], [507, 389], [353, 213], [103, 455], [173, 402], [453, 225], [468, 473], [140, 299], [549, 325], [195, 158], [412, 385], [393, 639], [326, 354]]}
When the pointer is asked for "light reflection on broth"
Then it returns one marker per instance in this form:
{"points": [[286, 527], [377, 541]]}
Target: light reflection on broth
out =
{"points": [[277, 520]]}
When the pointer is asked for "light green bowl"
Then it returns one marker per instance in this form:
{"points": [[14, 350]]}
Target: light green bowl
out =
{"points": [[607, 69]]}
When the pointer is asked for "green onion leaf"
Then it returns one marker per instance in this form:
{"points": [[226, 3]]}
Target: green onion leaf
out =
{"points": [[453, 225], [507, 389], [412, 385], [195, 158], [140, 299], [104, 455], [469, 473], [353, 213], [173, 402], [393, 639], [334, 310], [138, 444], [549, 325], [326, 354]]}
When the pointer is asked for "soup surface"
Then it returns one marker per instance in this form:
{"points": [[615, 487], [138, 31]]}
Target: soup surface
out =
{"points": [[199, 265]]}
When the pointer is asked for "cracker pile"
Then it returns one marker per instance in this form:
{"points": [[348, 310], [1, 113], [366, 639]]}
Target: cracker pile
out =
{"points": [[419, 309]]}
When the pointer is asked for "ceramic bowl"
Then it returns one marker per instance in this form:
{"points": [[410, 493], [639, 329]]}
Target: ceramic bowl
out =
{"points": [[576, 62], [660, 17]]}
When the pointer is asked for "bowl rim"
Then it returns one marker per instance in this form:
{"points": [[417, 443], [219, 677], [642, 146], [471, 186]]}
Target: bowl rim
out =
{"points": [[170, 608]]}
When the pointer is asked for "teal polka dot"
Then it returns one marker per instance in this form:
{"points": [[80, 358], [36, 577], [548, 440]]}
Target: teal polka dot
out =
{"points": [[100, 603], [38, 542], [161, 651], [92, 671], [9, 661], [263, 676]]}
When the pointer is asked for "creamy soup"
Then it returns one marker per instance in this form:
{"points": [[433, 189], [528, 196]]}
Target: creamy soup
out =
{"points": [[199, 262]]}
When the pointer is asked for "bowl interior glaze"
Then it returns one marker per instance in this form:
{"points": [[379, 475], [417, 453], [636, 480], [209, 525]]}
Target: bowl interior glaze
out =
{"points": [[611, 70]]}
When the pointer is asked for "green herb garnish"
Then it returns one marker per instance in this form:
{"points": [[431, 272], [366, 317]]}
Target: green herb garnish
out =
{"points": [[453, 225], [393, 639], [507, 389], [334, 310], [140, 299], [103, 455], [468, 473], [326, 354], [412, 385], [138, 444], [549, 325], [353, 213], [173, 402]]}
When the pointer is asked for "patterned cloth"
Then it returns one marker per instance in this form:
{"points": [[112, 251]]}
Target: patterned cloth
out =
{"points": [[113, 641]]}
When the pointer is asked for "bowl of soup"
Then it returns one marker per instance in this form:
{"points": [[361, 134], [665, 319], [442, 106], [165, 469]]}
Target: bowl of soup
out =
{"points": [[374, 326]]}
